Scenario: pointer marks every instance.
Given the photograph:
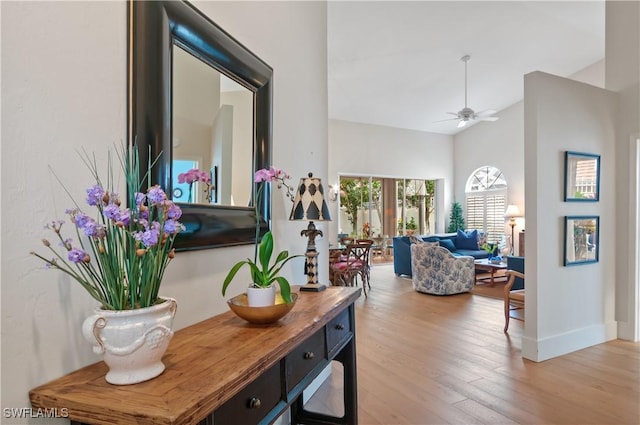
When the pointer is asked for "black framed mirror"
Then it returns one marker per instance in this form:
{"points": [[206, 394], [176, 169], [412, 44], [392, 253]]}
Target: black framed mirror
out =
{"points": [[156, 28]]}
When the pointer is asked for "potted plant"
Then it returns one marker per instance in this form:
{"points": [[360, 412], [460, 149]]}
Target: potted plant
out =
{"points": [[456, 218], [493, 250], [119, 257], [261, 290]]}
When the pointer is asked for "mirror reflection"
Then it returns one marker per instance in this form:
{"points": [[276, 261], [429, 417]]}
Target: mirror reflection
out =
{"points": [[212, 136], [582, 178], [581, 239]]}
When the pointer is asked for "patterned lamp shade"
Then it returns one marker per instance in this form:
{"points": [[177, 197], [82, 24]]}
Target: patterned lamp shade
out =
{"points": [[309, 202]]}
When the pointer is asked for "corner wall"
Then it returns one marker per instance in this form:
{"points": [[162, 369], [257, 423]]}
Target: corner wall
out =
{"points": [[623, 76], [568, 308]]}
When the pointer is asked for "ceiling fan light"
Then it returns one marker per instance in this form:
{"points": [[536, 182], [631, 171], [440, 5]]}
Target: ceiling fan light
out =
{"points": [[462, 123]]}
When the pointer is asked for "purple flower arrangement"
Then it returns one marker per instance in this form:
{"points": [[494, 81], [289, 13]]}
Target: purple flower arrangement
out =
{"points": [[263, 274], [121, 253]]}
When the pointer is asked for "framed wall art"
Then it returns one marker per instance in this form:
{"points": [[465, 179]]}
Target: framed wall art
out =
{"points": [[581, 236], [581, 177]]}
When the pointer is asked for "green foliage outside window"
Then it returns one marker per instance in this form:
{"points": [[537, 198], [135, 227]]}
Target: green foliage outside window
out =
{"points": [[354, 195]]}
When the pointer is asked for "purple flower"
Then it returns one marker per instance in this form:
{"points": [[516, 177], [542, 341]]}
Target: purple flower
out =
{"points": [[149, 237], [76, 255], [172, 226], [140, 197], [94, 229], [94, 195], [112, 212], [81, 220], [174, 212], [156, 195], [125, 217]]}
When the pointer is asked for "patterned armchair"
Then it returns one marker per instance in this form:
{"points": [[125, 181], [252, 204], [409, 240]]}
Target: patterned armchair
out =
{"points": [[436, 271]]}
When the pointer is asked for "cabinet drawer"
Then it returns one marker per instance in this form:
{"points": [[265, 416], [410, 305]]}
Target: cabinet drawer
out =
{"points": [[304, 358], [253, 402], [338, 329]]}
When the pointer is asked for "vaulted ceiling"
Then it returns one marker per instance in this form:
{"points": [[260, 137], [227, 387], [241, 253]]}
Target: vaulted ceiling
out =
{"points": [[397, 63]]}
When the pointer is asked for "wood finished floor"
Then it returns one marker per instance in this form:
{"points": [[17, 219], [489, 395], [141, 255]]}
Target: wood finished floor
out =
{"points": [[444, 360]]}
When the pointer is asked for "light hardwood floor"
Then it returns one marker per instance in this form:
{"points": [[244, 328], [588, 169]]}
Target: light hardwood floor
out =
{"points": [[444, 360]]}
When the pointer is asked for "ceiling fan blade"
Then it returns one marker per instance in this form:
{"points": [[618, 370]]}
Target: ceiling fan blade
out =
{"points": [[486, 113], [453, 113], [487, 118], [448, 119]]}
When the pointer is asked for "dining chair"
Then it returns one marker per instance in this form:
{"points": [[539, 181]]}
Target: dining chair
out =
{"points": [[513, 299], [355, 263]]}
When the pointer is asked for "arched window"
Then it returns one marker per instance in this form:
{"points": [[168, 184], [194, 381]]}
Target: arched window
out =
{"points": [[486, 200]]}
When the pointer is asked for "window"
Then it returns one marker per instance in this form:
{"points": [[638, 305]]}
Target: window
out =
{"points": [[386, 206], [486, 200]]}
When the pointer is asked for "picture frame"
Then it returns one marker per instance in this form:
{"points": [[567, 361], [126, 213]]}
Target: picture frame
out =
{"points": [[581, 177], [581, 239]]}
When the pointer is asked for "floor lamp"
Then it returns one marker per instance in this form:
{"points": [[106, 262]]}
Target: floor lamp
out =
{"points": [[309, 204], [511, 213]]}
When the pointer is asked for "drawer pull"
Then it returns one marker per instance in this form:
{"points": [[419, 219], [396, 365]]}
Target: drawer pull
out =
{"points": [[254, 403], [340, 327], [308, 355]]}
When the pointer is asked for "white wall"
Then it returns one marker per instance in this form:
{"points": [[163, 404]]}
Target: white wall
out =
{"points": [[623, 76], [363, 150], [64, 88], [499, 144], [568, 308]]}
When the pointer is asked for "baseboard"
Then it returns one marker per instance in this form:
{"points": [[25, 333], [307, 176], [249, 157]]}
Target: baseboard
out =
{"points": [[558, 345], [626, 331]]}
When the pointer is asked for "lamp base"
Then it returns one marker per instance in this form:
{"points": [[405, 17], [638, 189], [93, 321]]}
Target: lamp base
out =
{"points": [[313, 287]]}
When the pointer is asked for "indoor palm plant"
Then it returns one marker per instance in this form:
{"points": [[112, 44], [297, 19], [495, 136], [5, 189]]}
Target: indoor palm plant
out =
{"points": [[119, 257], [263, 273]]}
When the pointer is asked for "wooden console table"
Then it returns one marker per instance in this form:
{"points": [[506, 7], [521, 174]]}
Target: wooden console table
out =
{"points": [[225, 370]]}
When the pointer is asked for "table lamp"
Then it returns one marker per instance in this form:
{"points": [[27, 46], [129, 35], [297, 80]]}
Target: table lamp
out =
{"points": [[511, 213], [309, 204]]}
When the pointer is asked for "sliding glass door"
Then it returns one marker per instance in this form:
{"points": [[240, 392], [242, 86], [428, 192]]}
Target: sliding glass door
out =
{"points": [[378, 207]]}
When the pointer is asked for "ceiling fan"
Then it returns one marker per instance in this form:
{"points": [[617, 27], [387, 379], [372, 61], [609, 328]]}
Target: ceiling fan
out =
{"points": [[467, 114]]}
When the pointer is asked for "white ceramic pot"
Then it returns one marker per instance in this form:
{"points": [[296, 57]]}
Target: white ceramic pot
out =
{"points": [[132, 341], [261, 297]]}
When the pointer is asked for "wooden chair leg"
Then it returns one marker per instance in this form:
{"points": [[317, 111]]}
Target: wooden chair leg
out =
{"points": [[506, 314]]}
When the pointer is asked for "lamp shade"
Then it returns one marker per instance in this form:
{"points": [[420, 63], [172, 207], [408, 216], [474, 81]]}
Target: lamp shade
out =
{"points": [[512, 211], [309, 202]]}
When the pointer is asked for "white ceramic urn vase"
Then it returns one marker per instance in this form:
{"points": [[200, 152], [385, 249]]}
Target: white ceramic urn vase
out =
{"points": [[132, 341], [261, 297]]}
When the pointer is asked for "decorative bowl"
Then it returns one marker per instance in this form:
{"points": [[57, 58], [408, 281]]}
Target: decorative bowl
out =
{"points": [[260, 315]]}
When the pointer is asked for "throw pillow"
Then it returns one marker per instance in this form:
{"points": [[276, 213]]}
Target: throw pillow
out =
{"points": [[448, 243], [431, 239], [467, 240]]}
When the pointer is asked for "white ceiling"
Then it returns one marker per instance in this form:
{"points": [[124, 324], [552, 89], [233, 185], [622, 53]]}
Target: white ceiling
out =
{"points": [[397, 63]]}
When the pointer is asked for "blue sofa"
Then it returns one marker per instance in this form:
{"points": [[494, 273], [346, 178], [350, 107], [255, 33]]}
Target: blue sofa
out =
{"points": [[402, 250]]}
